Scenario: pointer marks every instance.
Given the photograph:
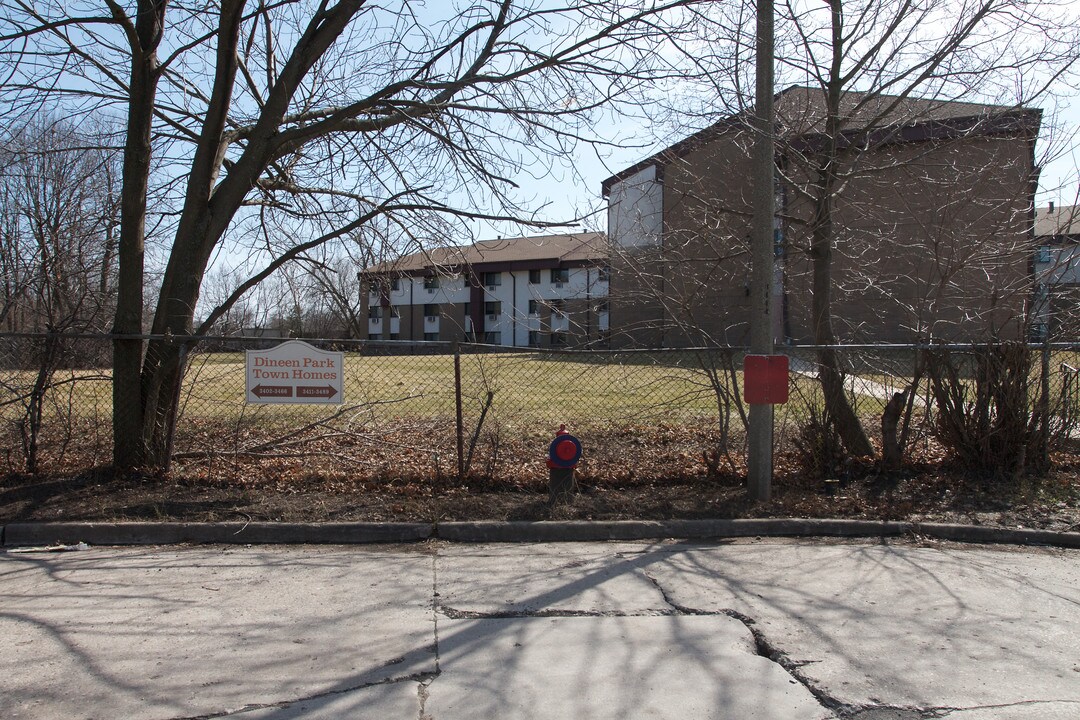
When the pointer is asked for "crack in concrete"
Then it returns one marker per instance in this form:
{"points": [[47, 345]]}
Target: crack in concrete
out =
{"points": [[423, 679], [422, 691], [769, 651], [456, 614], [679, 609], [847, 711], [422, 694], [947, 711], [419, 677]]}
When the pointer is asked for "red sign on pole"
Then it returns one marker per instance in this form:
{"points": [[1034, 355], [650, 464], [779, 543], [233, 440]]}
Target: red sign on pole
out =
{"points": [[765, 379]]}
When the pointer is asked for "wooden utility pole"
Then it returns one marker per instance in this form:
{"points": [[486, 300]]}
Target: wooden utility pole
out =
{"points": [[760, 430]]}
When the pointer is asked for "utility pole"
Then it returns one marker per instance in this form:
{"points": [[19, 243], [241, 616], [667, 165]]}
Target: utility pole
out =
{"points": [[760, 430]]}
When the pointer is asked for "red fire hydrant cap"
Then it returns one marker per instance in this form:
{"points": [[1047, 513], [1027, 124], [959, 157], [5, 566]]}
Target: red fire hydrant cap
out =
{"points": [[566, 450]]}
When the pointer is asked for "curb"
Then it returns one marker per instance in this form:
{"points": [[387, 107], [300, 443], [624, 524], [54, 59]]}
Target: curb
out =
{"points": [[144, 533], [998, 536], [583, 530]]}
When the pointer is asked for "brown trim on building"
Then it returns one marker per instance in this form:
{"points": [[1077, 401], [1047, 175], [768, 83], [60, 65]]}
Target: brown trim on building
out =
{"points": [[483, 267], [1020, 123], [1006, 121]]}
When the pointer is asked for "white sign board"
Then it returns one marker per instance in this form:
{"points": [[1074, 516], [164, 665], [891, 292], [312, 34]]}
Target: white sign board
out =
{"points": [[294, 372]]}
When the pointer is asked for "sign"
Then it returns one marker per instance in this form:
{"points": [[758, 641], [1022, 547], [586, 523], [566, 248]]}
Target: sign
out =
{"points": [[294, 372], [765, 379]]}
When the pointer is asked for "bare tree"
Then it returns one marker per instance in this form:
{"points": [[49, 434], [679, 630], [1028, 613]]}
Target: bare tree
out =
{"points": [[873, 64], [57, 251], [320, 117], [58, 246], [334, 295], [906, 171]]}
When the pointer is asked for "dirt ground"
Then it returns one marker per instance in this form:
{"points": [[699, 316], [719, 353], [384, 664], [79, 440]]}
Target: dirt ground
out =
{"points": [[250, 491], [407, 472]]}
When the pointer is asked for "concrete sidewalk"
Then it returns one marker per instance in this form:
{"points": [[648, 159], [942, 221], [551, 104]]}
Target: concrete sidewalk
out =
{"points": [[785, 629]]}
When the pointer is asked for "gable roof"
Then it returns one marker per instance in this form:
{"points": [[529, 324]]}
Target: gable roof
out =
{"points": [[800, 118], [550, 249], [1057, 222]]}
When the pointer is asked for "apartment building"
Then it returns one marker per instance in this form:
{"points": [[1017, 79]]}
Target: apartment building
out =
{"points": [[931, 208], [1057, 272], [548, 291]]}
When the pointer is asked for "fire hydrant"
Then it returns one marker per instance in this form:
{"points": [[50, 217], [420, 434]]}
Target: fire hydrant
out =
{"points": [[563, 456]]}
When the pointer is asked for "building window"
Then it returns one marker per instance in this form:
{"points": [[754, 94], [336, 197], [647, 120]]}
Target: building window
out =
{"points": [[431, 283], [468, 308], [534, 277], [534, 307], [431, 337], [534, 338], [395, 284], [602, 306], [493, 279], [558, 339], [373, 336], [374, 313], [394, 336], [493, 338], [560, 275], [558, 307], [395, 311], [492, 308], [431, 310], [603, 273], [1043, 255]]}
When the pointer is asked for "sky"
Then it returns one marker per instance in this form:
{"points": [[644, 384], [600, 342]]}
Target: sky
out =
{"points": [[572, 193]]}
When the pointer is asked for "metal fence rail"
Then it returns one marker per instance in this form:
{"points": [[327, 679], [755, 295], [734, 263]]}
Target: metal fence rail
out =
{"points": [[432, 410]]}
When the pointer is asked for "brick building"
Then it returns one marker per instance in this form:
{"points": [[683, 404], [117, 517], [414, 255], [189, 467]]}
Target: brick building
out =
{"points": [[548, 291], [932, 226]]}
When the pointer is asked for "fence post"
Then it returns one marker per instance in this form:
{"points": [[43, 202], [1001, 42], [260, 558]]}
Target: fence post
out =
{"points": [[460, 421], [170, 438], [1044, 408]]}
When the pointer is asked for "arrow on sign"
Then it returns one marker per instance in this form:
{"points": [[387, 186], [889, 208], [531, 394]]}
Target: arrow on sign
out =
{"points": [[271, 391], [309, 391]]}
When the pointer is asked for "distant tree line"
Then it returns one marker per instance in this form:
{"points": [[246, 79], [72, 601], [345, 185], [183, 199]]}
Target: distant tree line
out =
{"points": [[59, 220]]}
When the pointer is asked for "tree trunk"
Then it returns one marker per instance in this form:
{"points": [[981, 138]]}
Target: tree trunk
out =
{"points": [[197, 234], [837, 407], [162, 369], [892, 453], [128, 448]]}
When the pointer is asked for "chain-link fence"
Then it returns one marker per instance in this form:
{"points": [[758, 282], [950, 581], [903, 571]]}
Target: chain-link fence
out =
{"points": [[433, 411]]}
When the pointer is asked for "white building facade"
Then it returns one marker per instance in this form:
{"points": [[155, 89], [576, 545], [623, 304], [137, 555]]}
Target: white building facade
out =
{"points": [[548, 291]]}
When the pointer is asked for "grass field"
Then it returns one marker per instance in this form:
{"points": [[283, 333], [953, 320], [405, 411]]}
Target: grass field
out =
{"points": [[524, 386], [531, 392], [420, 386]]}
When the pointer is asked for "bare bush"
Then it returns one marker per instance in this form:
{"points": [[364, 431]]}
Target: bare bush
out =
{"points": [[987, 408]]}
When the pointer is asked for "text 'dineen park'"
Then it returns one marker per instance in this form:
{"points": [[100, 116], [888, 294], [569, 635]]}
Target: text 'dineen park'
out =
{"points": [[294, 372]]}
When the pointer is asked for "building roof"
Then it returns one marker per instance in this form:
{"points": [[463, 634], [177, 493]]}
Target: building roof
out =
{"points": [[1057, 221], [547, 249], [800, 115], [800, 110]]}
